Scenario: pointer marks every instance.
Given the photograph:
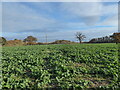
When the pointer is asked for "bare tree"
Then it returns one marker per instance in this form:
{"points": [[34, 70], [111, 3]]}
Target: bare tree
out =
{"points": [[80, 36]]}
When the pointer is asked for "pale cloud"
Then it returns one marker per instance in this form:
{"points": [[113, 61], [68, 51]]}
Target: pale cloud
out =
{"points": [[19, 17], [109, 9], [111, 21], [90, 12], [83, 9], [21, 20], [43, 6]]}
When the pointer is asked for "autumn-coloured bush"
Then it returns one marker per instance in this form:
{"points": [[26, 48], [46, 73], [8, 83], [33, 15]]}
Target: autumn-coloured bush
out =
{"points": [[14, 43], [62, 42], [39, 43], [31, 43], [116, 37]]}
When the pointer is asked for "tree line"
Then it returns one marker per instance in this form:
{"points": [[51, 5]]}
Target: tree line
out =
{"points": [[29, 40], [115, 38], [106, 39]]}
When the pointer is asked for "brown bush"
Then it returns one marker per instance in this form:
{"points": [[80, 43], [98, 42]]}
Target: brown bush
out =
{"points": [[39, 43], [62, 42], [31, 43], [14, 43], [116, 37]]}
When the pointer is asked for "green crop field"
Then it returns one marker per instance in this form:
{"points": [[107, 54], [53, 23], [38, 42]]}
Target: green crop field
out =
{"points": [[60, 66]]}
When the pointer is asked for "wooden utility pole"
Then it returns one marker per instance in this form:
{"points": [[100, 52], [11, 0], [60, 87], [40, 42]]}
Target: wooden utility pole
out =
{"points": [[46, 38]]}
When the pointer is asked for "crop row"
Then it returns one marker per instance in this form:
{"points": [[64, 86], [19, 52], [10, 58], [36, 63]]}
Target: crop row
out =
{"points": [[61, 66]]}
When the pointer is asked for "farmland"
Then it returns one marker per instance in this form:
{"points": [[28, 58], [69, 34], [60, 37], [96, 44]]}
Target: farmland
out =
{"points": [[60, 66]]}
